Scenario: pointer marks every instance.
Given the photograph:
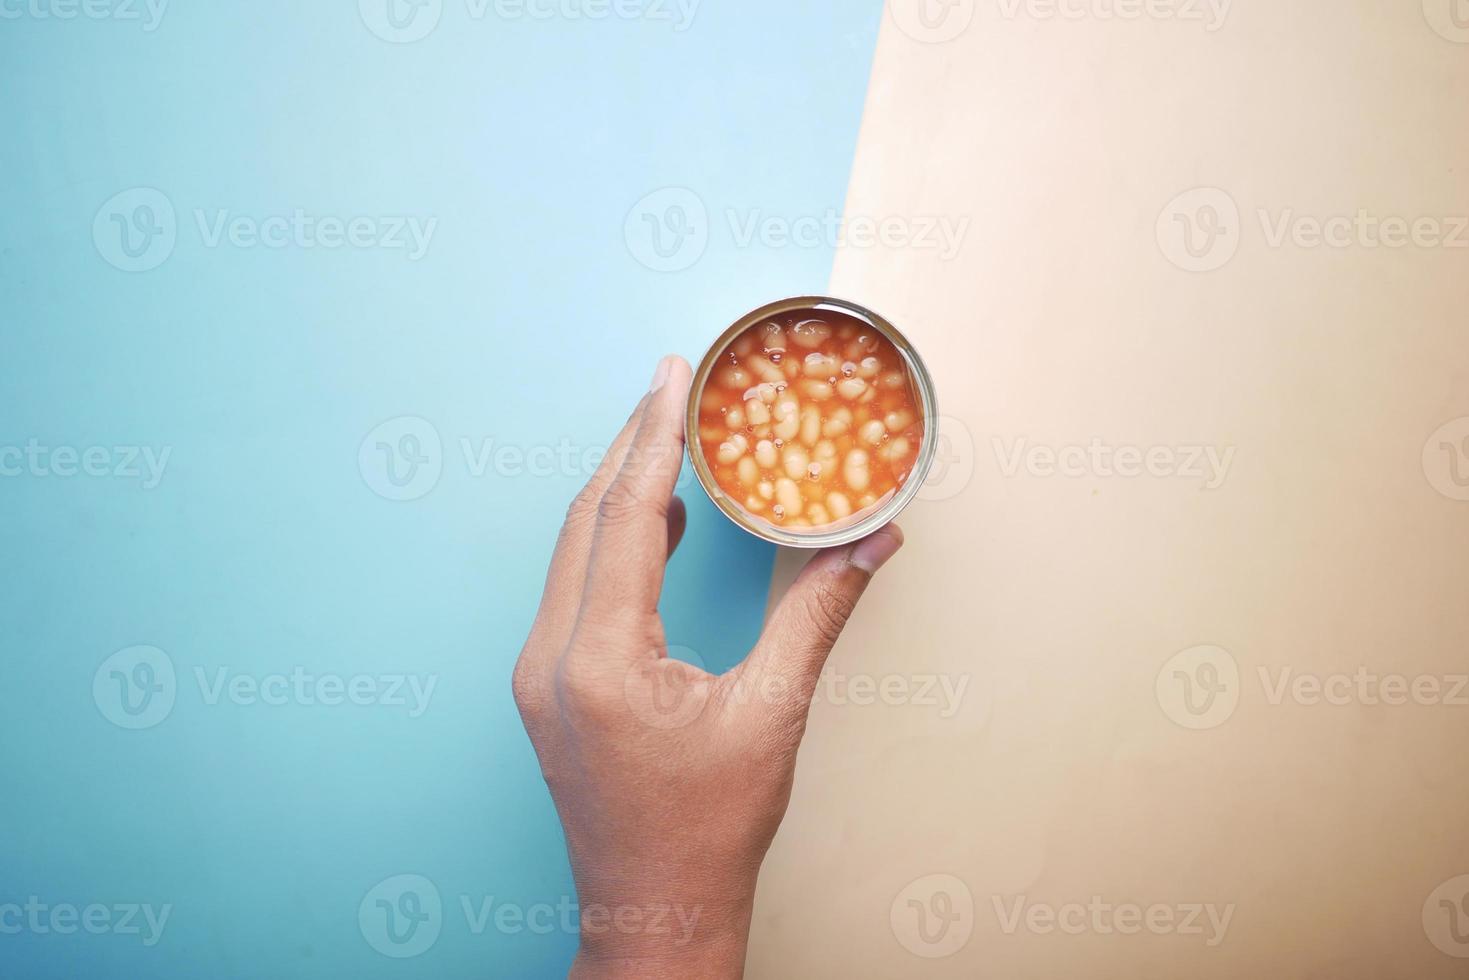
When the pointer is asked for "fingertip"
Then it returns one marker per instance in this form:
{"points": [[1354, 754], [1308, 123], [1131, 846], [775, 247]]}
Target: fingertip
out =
{"points": [[874, 551], [672, 368]]}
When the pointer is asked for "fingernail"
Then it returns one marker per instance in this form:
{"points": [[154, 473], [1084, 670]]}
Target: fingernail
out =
{"points": [[660, 376], [872, 553]]}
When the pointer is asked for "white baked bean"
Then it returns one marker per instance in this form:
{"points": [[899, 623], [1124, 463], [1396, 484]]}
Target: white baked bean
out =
{"points": [[817, 471], [766, 489], [810, 425], [787, 418], [817, 515], [789, 497], [850, 388], [862, 346], [772, 338], [825, 452], [757, 412], [796, 462], [817, 391], [735, 377], [731, 450], [735, 418], [743, 344], [866, 501], [766, 455], [809, 333], [820, 366], [893, 380], [749, 471], [897, 450], [871, 432], [855, 470], [898, 421], [839, 505], [754, 503], [838, 423], [764, 369], [763, 392], [869, 368], [708, 433]]}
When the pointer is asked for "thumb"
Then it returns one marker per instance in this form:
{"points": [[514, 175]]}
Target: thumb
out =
{"points": [[809, 619]]}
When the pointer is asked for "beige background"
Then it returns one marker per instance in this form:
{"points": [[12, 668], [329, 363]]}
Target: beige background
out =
{"points": [[1333, 543]]}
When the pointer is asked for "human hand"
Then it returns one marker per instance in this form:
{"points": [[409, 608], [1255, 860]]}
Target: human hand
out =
{"points": [[667, 814]]}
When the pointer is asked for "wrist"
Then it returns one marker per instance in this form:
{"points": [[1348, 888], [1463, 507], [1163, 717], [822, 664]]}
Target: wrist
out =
{"points": [[722, 960], [652, 941]]}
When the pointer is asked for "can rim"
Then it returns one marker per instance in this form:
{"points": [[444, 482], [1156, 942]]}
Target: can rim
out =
{"points": [[879, 518]]}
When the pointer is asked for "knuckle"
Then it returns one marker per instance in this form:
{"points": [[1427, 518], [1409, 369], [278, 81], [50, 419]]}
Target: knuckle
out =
{"points": [[583, 507], [621, 503], [528, 688], [828, 608], [580, 684]]}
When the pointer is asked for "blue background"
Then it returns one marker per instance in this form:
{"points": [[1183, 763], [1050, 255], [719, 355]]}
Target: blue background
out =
{"points": [[529, 321]]}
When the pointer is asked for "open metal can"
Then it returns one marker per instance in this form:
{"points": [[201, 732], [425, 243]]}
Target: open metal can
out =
{"points": [[864, 520]]}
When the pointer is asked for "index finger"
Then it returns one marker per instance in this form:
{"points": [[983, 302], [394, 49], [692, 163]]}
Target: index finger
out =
{"points": [[630, 544]]}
